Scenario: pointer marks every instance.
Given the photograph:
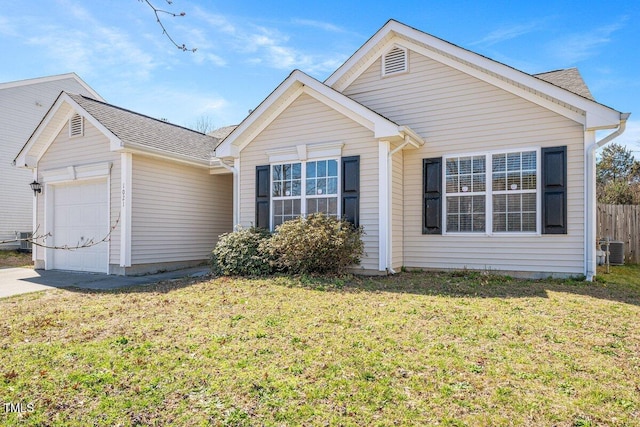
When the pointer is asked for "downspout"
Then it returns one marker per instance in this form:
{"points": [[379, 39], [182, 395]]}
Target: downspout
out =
{"points": [[590, 199], [390, 206]]}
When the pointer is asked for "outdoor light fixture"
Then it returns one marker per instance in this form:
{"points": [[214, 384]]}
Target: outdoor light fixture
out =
{"points": [[36, 187]]}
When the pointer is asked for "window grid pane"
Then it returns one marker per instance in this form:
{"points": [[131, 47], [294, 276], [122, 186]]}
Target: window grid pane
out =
{"points": [[465, 179], [514, 192], [319, 195]]}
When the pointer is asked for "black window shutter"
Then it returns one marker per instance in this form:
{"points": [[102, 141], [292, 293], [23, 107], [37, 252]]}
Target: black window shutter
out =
{"points": [[554, 190], [262, 196], [351, 189], [432, 196]]}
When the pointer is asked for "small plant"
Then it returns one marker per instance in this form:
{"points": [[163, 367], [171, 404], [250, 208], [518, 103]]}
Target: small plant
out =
{"points": [[317, 244], [239, 253]]}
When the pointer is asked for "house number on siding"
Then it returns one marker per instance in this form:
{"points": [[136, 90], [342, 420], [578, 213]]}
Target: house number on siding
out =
{"points": [[123, 194]]}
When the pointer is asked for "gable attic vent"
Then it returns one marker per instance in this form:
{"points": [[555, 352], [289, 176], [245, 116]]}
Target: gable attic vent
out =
{"points": [[394, 61], [76, 125]]}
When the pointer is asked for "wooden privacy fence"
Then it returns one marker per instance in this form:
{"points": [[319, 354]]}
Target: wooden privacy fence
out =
{"points": [[621, 222]]}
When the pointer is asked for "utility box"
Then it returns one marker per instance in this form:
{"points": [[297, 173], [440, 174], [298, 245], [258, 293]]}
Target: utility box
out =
{"points": [[616, 252]]}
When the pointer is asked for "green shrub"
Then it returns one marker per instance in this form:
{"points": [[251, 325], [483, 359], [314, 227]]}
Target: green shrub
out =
{"points": [[239, 254], [316, 244]]}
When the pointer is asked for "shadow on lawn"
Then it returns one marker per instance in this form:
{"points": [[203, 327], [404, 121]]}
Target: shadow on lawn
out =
{"points": [[465, 284], [460, 284]]}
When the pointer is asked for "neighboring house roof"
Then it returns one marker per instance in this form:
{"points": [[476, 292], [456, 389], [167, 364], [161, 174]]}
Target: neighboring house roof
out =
{"points": [[139, 130], [569, 79], [553, 97], [47, 79], [296, 84], [223, 132]]}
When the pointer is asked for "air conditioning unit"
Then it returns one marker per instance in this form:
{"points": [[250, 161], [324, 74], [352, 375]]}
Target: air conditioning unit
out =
{"points": [[616, 252], [25, 245]]}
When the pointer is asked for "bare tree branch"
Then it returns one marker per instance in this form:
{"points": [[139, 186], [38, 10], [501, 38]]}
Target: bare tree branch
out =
{"points": [[157, 12], [86, 244]]}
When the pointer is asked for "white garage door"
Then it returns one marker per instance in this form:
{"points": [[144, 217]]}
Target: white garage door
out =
{"points": [[80, 213]]}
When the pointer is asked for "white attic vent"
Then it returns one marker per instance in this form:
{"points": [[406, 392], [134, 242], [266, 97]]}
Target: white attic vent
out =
{"points": [[76, 126], [394, 61]]}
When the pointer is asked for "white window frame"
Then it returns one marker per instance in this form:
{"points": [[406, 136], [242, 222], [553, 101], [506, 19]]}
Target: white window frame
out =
{"points": [[303, 187], [489, 194]]}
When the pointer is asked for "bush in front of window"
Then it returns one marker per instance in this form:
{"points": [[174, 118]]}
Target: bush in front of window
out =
{"points": [[317, 244], [239, 253]]}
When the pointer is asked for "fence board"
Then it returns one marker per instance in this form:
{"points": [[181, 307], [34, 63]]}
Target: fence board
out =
{"points": [[621, 222]]}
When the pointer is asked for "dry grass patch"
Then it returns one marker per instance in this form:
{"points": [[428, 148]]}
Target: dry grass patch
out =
{"points": [[464, 349], [9, 259]]}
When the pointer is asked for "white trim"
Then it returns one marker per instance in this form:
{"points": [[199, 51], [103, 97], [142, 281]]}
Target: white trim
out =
{"points": [[597, 115], [236, 192], [72, 173], [590, 206], [288, 91], [302, 152], [126, 169], [34, 218], [383, 204], [488, 193]]}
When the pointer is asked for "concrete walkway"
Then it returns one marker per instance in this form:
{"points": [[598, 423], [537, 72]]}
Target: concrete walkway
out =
{"points": [[15, 281]]}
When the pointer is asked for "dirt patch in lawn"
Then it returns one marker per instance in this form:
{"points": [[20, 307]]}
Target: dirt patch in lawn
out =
{"points": [[10, 259]]}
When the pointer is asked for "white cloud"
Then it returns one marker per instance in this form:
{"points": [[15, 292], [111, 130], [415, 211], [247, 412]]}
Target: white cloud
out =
{"points": [[326, 26], [577, 47], [507, 33], [260, 45]]}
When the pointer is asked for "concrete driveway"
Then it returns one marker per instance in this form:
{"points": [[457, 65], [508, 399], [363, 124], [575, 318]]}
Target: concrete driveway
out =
{"points": [[15, 281]]}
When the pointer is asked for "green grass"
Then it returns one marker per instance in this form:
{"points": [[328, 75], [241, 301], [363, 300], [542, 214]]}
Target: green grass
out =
{"points": [[460, 349]]}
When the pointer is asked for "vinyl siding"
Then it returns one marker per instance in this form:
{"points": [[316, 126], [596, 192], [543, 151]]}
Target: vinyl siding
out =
{"points": [[178, 211], [21, 109], [457, 113], [308, 121], [92, 148]]}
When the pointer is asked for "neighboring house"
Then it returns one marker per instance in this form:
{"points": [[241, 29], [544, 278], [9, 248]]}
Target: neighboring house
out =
{"points": [[448, 159], [148, 188], [22, 105]]}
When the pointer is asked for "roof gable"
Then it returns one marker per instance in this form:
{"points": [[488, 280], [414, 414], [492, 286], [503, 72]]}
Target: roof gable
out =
{"points": [[288, 91], [554, 97], [125, 130], [47, 79]]}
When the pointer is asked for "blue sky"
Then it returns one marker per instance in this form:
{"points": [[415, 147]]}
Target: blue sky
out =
{"points": [[246, 48]]}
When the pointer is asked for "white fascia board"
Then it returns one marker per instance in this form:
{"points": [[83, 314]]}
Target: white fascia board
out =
{"points": [[356, 57], [235, 138], [285, 95], [25, 159], [598, 116], [26, 153]]}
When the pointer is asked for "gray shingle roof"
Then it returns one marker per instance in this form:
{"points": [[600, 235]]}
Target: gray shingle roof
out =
{"points": [[569, 79], [139, 129], [223, 132]]}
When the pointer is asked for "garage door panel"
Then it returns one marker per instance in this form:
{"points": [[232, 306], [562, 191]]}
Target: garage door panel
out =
{"points": [[80, 214]]}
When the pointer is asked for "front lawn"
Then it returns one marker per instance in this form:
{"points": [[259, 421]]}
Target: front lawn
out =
{"points": [[9, 259], [461, 349]]}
